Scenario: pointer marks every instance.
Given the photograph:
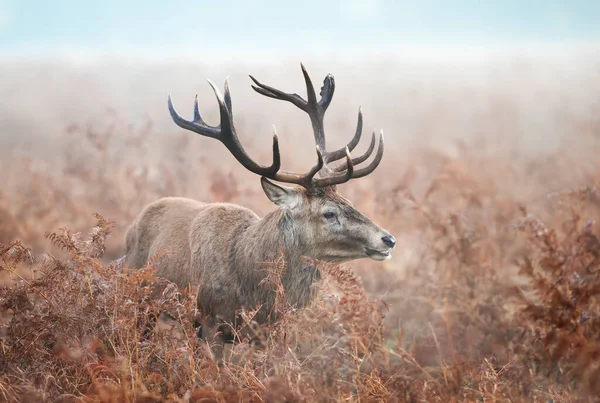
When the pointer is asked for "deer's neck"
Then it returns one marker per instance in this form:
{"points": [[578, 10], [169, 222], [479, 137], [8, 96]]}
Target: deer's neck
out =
{"points": [[276, 239]]}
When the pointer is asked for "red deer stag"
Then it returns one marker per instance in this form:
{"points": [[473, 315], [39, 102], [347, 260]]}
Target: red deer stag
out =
{"points": [[222, 247]]}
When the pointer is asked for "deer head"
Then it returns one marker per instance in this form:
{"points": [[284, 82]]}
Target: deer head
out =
{"points": [[325, 225]]}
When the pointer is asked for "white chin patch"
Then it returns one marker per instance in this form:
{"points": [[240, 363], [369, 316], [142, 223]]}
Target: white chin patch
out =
{"points": [[379, 256]]}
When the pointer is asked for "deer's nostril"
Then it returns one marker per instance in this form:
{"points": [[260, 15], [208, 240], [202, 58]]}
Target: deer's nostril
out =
{"points": [[389, 240]]}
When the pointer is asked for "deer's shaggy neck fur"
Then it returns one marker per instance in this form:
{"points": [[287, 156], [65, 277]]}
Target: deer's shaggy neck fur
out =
{"points": [[282, 257]]}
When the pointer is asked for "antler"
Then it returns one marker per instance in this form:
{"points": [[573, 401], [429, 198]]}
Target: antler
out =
{"points": [[316, 111], [226, 134]]}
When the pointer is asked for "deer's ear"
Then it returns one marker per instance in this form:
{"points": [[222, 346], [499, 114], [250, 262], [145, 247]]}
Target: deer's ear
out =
{"points": [[284, 197]]}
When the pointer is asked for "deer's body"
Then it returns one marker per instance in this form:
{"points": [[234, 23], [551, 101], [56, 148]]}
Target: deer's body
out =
{"points": [[226, 249]]}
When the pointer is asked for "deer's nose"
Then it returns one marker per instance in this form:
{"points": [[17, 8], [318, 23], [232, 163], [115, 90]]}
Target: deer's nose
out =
{"points": [[389, 240]]}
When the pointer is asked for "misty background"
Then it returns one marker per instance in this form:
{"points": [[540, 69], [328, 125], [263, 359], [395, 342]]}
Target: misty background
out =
{"points": [[522, 74]]}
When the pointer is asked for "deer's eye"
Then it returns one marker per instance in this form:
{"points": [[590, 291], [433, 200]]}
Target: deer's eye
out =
{"points": [[329, 215]]}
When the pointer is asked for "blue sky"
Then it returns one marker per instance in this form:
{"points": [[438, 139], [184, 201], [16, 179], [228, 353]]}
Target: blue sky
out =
{"points": [[130, 25]]}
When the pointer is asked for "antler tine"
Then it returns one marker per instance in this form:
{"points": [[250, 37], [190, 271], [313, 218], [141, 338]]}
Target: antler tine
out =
{"points": [[228, 97], [341, 153], [374, 164], [359, 173], [197, 125], [310, 89], [320, 162], [327, 91], [360, 159], [271, 92], [226, 133], [197, 117]]}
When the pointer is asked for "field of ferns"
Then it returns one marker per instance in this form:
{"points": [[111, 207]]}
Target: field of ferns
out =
{"points": [[489, 182]]}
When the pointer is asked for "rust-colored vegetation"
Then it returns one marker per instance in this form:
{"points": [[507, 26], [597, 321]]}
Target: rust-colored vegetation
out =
{"points": [[492, 293]]}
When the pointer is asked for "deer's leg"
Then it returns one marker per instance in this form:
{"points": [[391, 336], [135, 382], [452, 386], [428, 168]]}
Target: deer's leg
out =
{"points": [[212, 334], [147, 321], [198, 325], [259, 336]]}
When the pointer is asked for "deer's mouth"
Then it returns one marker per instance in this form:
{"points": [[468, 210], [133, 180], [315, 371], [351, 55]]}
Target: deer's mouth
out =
{"points": [[379, 255]]}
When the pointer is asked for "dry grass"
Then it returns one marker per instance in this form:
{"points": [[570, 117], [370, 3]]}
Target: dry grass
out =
{"points": [[491, 295]]}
